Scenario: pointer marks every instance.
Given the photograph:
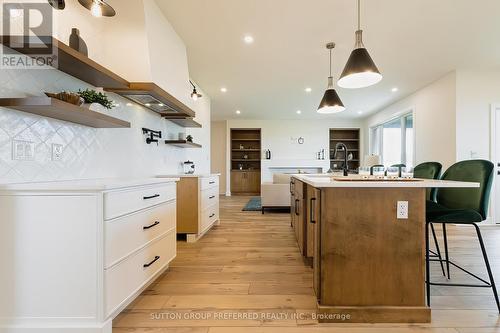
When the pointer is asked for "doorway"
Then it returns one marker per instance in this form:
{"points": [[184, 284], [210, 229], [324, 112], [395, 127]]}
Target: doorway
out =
{"points": [[495, 158]]}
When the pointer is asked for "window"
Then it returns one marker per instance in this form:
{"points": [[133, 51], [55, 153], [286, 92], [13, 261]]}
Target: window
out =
{"points": [[394, 141]]}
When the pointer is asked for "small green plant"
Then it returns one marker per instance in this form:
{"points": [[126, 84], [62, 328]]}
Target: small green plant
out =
{"points": [[92, 96], [189, 138]]}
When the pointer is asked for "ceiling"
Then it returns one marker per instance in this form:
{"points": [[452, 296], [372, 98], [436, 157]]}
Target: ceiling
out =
{"points": [[412, 42]]}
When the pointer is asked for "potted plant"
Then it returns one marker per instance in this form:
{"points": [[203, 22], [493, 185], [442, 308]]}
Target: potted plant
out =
{"points": [[189, 138], [91, 96]]}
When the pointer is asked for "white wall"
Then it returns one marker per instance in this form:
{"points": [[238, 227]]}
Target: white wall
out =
{"points": [[476, 91], [434, 110], [95, 153], [280, 136], [218, 151]]}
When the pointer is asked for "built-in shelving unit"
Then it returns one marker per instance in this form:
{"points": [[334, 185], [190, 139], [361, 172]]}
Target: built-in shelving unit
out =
{"points": [[182, 144], [351, 138], [245, 161], [57, 109]]}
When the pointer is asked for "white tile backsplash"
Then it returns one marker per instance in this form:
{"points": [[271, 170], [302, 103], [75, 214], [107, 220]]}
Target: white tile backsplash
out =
{"points": [[87, 152]]}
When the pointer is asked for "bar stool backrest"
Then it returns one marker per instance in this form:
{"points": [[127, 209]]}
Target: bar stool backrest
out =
{"points": [[428, 170], [479, 171]]}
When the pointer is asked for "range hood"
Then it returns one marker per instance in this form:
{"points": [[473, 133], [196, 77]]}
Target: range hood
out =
{"points": [[156, 99]]}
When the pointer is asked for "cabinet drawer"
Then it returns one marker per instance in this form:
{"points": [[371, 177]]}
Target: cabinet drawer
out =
{"points": [[126, 278], [209, 216], [208, 182], [209, 197], [122, 202], [131, 232]]}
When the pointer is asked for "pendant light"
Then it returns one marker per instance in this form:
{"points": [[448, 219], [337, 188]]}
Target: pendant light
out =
{"points": [[98, 8], [331, 102], [360, 70], [194, 95]]}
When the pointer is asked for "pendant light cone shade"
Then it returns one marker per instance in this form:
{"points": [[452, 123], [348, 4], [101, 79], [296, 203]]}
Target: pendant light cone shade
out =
{"points": [[360, 71], [331, 102], [98, 7]]}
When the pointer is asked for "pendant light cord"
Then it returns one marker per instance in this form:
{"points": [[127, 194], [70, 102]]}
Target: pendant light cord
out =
{"points": [[330, 62], [359, 14]]}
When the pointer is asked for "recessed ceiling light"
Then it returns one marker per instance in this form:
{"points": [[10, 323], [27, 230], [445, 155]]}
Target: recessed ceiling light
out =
{"points": [[360, 112], [147, 104], [308, 90], [299, 112], [394, 89], [238, 111], [223, 89], [248, 39], [129, 104]]}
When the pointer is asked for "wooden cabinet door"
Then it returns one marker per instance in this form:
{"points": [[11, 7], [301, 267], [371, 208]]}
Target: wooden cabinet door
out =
{"points": [[292, 204], [310, 199], [316, 218], [300, 215], [238, 181], [253, 182]]}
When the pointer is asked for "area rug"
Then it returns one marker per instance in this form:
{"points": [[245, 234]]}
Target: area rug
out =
{"points": [[253, 205]]}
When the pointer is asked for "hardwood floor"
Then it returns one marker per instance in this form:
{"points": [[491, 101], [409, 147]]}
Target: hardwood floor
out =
{"points": [[246, 275]]}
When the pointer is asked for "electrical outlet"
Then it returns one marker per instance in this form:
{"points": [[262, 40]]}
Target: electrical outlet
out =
{"points": [[402, 210], [23, 150], [57, 151]]}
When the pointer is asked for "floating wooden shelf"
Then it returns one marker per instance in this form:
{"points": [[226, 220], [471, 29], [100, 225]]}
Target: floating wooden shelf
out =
{"points": [[184, 122], [182, 144], [69, 61], [54, 108]]}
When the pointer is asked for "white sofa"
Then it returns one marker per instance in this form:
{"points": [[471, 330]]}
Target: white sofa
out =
{"points": [[277, 193]]}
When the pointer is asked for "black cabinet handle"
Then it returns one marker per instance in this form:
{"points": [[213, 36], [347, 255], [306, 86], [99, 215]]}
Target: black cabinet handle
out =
{"points": [[311, 211], [212, 182], [151, 197], [151, 225], [291, 187], [211, 197], [151, 262], [211, 215], [296, 206]]}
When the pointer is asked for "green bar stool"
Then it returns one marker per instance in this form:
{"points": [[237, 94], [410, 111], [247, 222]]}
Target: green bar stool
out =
{"points": [[431, 170], [462, 206]]}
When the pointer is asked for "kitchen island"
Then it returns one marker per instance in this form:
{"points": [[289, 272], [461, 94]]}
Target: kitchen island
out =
{"points": [[368, 260]]}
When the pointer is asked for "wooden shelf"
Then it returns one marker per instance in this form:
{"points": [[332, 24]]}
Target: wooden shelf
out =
{"points": [[184, 122], [246, 139], [57, 109], [245, 160], [243, 150], [245, 170], [182, 144], [70, 61], [344, 139]]}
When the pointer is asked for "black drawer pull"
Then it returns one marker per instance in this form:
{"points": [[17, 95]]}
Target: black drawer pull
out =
{"points": [[212, 182], [312, 210], [152, 262], [212, 215], [211, 197], [151, 225], [151, 197]]}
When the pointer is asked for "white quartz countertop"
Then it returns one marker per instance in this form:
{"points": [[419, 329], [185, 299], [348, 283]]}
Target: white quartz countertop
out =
{"points": [[101, 184], [201, 175], [324, 180]]}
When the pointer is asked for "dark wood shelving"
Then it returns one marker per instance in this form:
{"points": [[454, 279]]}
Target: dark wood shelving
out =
{"points": [[243, 150], [69, 61], [57, 109], [351, 138], [247, 180], [245, 160], [182, 144]]}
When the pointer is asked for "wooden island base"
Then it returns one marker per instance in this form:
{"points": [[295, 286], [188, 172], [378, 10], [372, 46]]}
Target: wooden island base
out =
{"points": [[373, 314]]}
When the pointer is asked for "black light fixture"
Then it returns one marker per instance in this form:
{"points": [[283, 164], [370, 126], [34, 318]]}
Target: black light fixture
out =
{"points": [[57, 4], [98, 8], [194, 95], [331, 102], [360, 71]]}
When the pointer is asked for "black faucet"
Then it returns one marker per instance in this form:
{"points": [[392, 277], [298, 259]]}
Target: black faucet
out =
{"points": [[343, 147], [152, 135]]}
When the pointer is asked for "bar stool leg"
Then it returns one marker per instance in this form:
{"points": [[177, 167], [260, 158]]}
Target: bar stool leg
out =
{"points": [[488, 268], [437, 248], [446, 251], [427, 266]]}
